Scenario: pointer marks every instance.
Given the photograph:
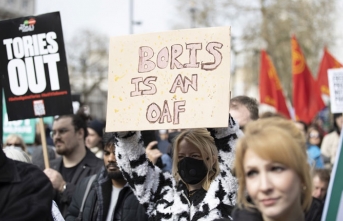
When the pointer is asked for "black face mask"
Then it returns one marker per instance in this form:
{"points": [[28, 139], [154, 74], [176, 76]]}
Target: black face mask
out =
{"points": [[192, 171]]}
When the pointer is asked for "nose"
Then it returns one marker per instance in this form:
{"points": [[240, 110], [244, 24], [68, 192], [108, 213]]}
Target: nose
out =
{"points": [[112, 157], [55, 136], [316, 193], [265, 183]]}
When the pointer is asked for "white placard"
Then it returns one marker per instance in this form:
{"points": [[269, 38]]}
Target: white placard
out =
{"points": [[170, 80], [335, 77]]}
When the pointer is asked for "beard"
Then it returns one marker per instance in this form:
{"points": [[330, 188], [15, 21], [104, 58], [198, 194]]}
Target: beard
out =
{"points": [[114, 174], [62, 149], [117, 175]]}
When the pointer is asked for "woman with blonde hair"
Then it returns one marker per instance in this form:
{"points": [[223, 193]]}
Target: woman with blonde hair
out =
{"points": [[205, 151], [201, 186], [272, 170], [16, 153], [16, 141]]}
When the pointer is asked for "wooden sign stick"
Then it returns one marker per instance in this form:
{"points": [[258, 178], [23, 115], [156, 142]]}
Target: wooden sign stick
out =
{"points": [[44, 146]]}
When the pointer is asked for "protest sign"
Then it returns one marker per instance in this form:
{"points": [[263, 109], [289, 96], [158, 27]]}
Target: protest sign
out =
{"points": [[170, 80], [335, 77], [34, 67], [24, 128], [333, 208]]}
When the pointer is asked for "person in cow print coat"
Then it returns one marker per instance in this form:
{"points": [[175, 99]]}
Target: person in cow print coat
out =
{"points": [[201, 186]]}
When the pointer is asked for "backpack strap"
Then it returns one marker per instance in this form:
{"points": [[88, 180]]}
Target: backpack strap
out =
{"points": [[89, 184]]}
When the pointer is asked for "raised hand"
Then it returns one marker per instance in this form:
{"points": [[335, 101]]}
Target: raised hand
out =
{"points": [[153, 153]]}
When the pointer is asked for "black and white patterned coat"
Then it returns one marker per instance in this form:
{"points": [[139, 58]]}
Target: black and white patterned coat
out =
{"points": [[159, 192]]}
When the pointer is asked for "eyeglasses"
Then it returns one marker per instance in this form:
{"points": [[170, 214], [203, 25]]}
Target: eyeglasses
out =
{"points": [[59, 131], [314, 135]]}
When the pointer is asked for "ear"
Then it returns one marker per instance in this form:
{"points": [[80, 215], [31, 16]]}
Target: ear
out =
{"points": [[80, 133]]}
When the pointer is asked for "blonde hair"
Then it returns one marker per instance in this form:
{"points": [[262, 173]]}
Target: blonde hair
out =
{"points": [[17, 139], [278, 140], [202, 139], [16, 153]]}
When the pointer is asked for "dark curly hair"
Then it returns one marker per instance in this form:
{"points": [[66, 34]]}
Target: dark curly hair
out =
{"points": [[78, 121]]}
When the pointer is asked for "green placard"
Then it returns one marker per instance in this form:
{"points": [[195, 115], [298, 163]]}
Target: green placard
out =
{"points": [[333, 209]]}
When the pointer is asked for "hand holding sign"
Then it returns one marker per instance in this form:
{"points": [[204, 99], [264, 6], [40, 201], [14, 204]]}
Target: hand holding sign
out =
{"points": [[152, 153]]}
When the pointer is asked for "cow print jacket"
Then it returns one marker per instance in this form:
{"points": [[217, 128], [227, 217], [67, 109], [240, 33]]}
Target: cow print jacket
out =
{"points": [[159, 192]]}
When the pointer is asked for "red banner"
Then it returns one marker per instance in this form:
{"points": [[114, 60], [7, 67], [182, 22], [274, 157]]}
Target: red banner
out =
{"points": [[271, 92], [328, 62], [307, 100]]}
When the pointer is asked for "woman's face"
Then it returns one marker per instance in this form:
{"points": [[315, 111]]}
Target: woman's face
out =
{"points": [[13, 141], [187, 149], [274, 188], [314, 137], [191, 166]]}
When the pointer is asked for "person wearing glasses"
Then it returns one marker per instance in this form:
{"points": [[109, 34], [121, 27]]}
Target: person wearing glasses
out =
{"points": [[76, 161]]}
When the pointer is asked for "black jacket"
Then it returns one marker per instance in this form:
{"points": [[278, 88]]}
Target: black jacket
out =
{"points": [[89, 165], [25, 191], [98, 202], [313, 214]]}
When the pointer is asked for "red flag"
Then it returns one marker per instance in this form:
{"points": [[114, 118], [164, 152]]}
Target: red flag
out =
{"points": [[328, 62], [307, 100], [270, 87]]}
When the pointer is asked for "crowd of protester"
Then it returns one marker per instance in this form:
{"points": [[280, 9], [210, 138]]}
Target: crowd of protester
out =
{"points": [[261, 167]]}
